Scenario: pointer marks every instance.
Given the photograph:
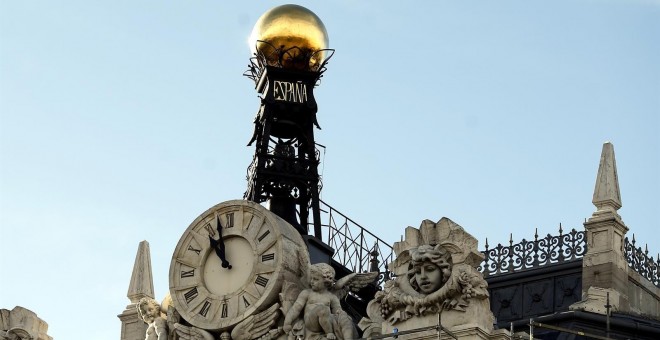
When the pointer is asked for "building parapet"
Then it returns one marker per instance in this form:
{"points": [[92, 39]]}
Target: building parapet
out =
{"points": [[539, 252]]}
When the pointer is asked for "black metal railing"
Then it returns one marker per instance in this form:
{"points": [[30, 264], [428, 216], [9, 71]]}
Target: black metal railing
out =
{"points": [[640, 261], [532, 254], [356, 248]]}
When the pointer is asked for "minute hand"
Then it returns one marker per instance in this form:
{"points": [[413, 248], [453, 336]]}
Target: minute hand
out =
{"points": [[219, 245]]}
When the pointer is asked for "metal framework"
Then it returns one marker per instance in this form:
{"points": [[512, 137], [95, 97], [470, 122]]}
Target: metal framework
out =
{"points": [[284, 170], [356, 248], [641, 262], [533, 254]]}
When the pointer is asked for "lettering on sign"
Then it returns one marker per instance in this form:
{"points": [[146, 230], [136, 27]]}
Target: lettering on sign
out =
{"points": [[290, 92]]}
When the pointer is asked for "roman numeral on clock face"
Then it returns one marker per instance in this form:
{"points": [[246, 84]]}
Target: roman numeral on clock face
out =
{"points": [[187, 273], [223, 314], [191, 295], [262, 281], [263, 236], [246, 302], [205, 309], [197, 251], [230, 220], [209, 229], [267, 257]]}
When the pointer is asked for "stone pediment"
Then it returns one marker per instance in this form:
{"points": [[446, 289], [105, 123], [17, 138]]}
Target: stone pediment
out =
{"points": [[446, 233]]}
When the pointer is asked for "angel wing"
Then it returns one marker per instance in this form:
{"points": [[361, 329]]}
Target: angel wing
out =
{"points": [[353, 283], [288, 296], [256, 325], [191, 333], [173, 318]]}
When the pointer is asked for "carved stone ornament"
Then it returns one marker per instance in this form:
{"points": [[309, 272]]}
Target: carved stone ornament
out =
{"points": [[22, 324], [308, 309], [316, 312], [435, 274], [149, 311]]}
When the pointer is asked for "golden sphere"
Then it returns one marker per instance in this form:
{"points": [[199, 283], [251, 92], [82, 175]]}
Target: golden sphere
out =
{"points": [[288, 26]]}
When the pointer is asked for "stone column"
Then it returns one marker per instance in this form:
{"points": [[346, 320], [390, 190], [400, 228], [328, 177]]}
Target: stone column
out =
{"points": [[604, 268], [132, 327]]}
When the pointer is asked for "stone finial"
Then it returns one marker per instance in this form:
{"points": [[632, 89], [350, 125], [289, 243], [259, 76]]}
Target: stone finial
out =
{"points": [[607, 197], [142, 283]]}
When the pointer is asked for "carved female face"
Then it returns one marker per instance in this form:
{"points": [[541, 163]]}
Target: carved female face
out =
{"points": [[428, 277]]}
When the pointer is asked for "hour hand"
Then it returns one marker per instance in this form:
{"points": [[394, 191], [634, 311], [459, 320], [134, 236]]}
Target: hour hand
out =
{"points": [[219, 245]]}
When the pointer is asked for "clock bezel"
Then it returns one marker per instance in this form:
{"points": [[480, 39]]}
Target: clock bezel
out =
{"points": [[279, 233]]}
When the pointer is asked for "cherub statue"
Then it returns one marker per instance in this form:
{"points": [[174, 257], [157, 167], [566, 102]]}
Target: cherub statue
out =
{"points": [[322, 313], [149, 311]]}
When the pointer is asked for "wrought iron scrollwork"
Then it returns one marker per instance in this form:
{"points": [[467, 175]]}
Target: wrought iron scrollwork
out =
{"points": [[640, 261], [531, 254], [292, 57]]}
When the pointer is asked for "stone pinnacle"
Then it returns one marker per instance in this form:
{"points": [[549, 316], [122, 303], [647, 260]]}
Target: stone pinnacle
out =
{"points": [[142, 283], [607, 197]]}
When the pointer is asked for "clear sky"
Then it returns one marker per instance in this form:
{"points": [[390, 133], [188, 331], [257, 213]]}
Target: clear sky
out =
{"points": [[122, 121]]}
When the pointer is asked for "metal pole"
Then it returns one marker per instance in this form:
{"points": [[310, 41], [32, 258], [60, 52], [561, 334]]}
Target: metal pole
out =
{"points": [[566, 330], [511, 330], [439, 327], [531, 329], [607, 317]]}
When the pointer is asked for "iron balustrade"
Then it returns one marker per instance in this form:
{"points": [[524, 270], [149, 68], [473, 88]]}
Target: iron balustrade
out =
{"points": [[356, 248], [641, 262], [532, 254], [359, 250]]}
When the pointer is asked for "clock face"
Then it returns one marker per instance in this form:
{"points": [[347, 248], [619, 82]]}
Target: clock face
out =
{"points": [[261, 250]]}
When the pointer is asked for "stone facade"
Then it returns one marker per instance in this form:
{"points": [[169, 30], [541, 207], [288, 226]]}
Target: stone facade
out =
{"points": [[22, 324], [436, 284]]}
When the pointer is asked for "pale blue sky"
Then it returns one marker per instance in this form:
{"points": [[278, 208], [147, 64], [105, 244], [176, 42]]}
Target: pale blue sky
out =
{"points": [[123, 121]]}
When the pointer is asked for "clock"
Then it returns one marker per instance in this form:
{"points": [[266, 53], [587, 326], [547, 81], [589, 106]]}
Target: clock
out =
{"points": [[231, 262]]}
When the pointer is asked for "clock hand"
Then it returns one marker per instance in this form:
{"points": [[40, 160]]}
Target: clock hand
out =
{"points": [[219, 245]]}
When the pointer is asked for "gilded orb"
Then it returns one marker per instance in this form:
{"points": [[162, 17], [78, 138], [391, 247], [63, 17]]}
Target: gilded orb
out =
{"points": [[290, 36]]}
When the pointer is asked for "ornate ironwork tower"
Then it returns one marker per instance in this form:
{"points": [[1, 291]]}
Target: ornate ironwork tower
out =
{"points": [[289, 59]]}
